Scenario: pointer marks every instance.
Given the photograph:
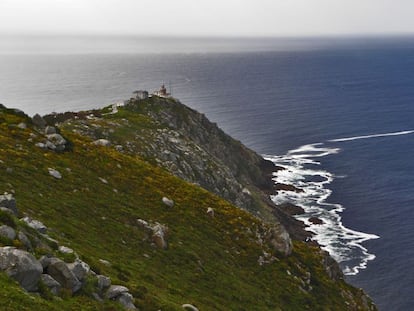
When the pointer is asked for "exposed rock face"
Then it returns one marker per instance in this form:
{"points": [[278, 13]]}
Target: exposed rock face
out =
{"points": [[21, 266]]}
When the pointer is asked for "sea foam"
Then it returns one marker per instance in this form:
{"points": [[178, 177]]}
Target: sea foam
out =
{"points": [[302, 170]]}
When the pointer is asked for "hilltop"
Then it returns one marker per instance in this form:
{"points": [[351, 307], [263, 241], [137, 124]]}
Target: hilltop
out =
{"points": [[158, 199]]}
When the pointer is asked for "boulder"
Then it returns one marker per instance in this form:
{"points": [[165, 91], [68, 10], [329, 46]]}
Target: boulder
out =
{"points": [[7, 232], [57, 140], [114, 291], [25, 240], [50, 130], [127, 300], [54, 173], [189, 307], [35, 224], [168, 202], [51, 283], [65, 250], [7, 200], [210, 212], [38, 121], [21, 266], [61, 273], [159, 235], [103, 282], [102, 142], [22, 126], [79, 268]]}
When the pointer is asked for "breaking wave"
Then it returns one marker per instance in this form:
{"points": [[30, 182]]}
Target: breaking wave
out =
{"points": [[302, 170]]}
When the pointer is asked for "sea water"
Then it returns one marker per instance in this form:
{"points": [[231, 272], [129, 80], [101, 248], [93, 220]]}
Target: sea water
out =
{"points": [[337, 114]]}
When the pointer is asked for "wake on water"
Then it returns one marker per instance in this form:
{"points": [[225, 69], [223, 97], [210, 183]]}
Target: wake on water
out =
{"points": [[301, 170]]}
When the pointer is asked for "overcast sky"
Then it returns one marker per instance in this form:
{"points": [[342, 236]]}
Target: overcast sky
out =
{"points": [[208, 17]]}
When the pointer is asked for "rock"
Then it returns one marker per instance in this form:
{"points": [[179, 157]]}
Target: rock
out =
{"points": [[22, 126], [79, 268], [38, 121], [8, 201], [51, 283], [50, 130], [54, 173], [58, 141], [41, 145], [61, 273], [316, 221], [105, 262], [291, 209], [65, 250], [103, 282], [45, 261], [210, 212], [25, 240], [119, 148], [127, 300], [246, 191], [159, 233], [280, 240], [7, 232], [168, 202], [102, 142], [285, 187], [35, 224], [6, 210], [189, 307], [21, 266], [115, 291]]}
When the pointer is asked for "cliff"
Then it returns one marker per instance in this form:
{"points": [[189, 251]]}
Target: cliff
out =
{"points": [[207, 237]]}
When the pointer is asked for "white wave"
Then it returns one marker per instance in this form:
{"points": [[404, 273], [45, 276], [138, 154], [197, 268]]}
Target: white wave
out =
{"points": [[344, 244], [372, 136]]}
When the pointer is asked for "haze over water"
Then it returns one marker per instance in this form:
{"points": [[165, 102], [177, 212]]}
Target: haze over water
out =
{"points": [[351, 97]]}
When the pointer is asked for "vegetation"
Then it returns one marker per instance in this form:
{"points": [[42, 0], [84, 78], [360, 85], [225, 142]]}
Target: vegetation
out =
{"points": [[210, 262]]}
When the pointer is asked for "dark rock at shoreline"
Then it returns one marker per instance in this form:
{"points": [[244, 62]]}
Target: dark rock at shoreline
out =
{"points": [[316, 221], [291, 209], [285, 187]]}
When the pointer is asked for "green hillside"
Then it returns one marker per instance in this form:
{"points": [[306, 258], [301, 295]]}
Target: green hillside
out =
{"points": [[210, 262]]}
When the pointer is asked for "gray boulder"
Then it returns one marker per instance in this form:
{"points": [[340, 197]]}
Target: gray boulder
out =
{"points": [[127, 300], [168, 202], [79, 268], [25, 240], [189, 307], [39, 121], [35, 224], [21, 266], [103, 282], [7, 200], [102, 142], [54, 173], [7, 232], [114, 291], [159, 235], [51, 283], [57, 140], [50, 130], [58, 270]]}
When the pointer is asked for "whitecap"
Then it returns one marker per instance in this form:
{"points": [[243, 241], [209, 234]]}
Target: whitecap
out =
{"points": [[372, 136], [343, 244]]}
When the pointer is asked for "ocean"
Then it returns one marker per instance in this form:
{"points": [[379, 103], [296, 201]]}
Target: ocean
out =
{"points": [[338, 114]]}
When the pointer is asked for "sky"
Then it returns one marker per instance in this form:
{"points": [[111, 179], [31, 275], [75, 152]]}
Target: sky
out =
{"points": [[250, 18]]}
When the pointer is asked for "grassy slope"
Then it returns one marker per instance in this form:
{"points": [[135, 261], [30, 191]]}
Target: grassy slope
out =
{"points": [[210, 262]]}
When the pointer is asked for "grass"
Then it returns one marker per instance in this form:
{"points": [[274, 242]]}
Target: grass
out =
{"points": [[210, 262]]}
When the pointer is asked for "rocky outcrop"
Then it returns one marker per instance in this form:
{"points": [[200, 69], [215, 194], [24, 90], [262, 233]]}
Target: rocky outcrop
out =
{"points": [[21, 266], [7, 201]]}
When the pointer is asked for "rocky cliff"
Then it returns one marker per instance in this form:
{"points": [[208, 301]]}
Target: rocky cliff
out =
{"points": [[100, 180]]}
